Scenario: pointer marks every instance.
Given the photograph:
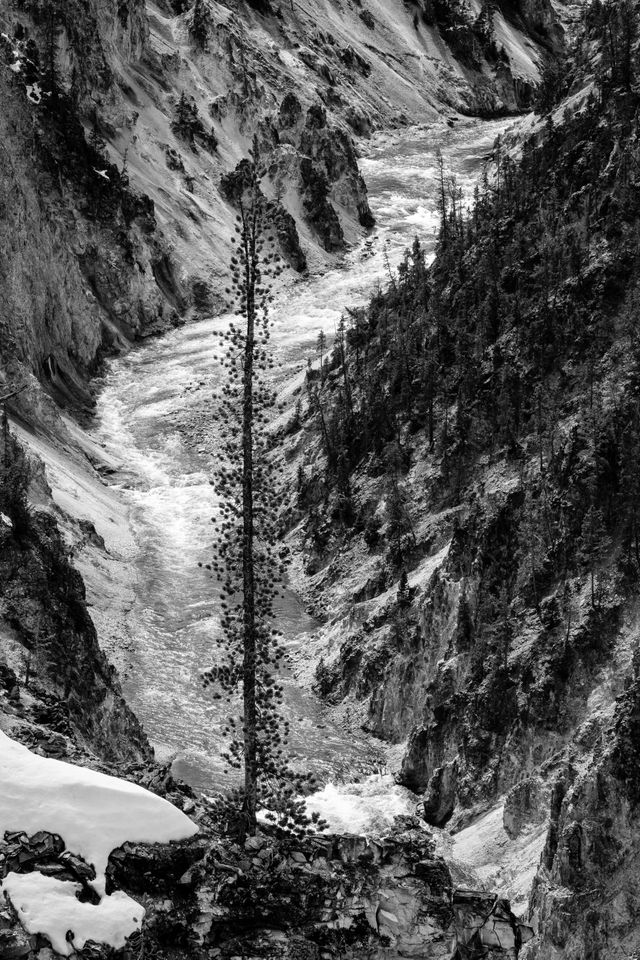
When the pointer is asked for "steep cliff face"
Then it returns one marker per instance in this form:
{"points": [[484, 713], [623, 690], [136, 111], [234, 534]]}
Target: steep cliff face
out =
{"points": [[94, 39], [474, 717], [585, 899], [80, 247], [57, 690], [78, 260], [50, 646], [78, 277]]}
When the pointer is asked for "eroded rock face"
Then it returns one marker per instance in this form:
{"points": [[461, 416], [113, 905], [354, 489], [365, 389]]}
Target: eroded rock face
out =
{"points": [[234, 187], [319, 211], [327, 169], [441, 794], [80, 243], [538, 17], [525, 804], [586, 900], [323, 897], [304, 157], [70, 688], [423, 678]]}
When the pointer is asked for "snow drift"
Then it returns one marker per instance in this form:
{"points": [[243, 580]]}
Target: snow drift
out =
{"points": [[94, 814]]}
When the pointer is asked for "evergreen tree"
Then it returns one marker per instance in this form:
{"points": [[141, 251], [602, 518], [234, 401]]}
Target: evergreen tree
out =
{"points": [[629, 488], [593, 543], [188, 124], [15, 476], [618, 34], [200, 24], [250, 564], [552, 87], [183, 121], [442, 195], [484, 21], [399, 531], [403, 597], [321, 347]]}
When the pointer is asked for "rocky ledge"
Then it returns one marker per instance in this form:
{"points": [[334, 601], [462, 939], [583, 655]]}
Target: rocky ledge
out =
{"points": [[323, 897]]}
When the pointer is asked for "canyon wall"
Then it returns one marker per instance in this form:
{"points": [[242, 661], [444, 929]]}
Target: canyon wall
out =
{"points": [[470, 539]]}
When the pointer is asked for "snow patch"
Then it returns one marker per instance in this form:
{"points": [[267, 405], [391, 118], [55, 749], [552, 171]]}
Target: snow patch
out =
{"points": [[49, 907], [94, 814]]}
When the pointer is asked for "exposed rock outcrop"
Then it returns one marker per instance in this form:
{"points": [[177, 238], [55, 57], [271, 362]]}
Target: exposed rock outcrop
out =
{"points": [[318, 209], [70, 688], [473, 729], [323, 897], [441, 794], [525, 804], [233, 186], [78, 244], [585, 901]]}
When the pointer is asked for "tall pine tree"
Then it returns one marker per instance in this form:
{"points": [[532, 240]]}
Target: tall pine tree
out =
{"points": [[250, 563]]}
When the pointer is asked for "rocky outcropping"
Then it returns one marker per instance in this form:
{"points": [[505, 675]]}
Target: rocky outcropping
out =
{"points": [[303, 157], [319, 212], [306, 156], [233, 186], [331, 154], [96, 34], [58, 688], [585, 901], [325, 897]]}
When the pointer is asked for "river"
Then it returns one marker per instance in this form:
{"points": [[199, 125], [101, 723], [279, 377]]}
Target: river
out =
{"points": [[148, 397]]}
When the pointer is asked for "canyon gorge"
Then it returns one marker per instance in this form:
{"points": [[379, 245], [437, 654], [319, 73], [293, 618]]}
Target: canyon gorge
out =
{"points": [[452, 192]]}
